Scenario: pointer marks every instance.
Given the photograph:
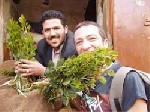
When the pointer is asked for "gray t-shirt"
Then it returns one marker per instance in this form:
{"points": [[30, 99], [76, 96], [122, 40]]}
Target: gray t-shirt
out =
{"points": [[133, 89]]}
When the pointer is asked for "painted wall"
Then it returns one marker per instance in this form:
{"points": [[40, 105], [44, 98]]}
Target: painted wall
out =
{"points": [[131, 33]]}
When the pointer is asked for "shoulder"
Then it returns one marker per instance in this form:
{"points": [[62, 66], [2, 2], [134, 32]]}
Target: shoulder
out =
{"points": [[134, 83], [69, 43], [43, 47], [133, 89], [42, 42], [133, 78], [115, 66], [69, 48], [69, 38], [69, 34]]}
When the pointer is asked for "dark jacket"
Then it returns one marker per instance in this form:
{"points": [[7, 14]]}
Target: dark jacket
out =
{"points": [[44, 50]]}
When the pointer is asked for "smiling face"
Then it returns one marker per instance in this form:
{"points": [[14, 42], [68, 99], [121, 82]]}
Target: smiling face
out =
{"points": [[87, 38], [54, 32]]}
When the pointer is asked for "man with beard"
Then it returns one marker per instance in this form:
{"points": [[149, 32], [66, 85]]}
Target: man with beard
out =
{"points": [[57, 43]]}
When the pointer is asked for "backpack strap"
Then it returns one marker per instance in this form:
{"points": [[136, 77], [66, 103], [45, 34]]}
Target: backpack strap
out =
{"points": [[115, 96], [145, 76]]}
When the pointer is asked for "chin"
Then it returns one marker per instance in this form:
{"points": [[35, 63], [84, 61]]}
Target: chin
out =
{"points": [[55, 46]]}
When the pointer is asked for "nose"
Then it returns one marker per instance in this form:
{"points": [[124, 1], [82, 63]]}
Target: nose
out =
{"points": [[52, 32], [86, 45]]}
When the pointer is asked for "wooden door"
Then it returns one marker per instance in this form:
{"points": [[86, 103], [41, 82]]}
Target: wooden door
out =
{"points": [[131, 32]]}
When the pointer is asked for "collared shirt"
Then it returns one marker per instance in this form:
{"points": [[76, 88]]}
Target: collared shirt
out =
{"points": [[56, 55]]}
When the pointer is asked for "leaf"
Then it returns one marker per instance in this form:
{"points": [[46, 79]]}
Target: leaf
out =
{"points": [[76, 83], [50, 64], [102, 79], [60, 62], [110, 72], [66, 82]]}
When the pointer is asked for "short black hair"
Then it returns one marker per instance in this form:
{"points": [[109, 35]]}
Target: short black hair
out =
{"points": [[53, 14]]}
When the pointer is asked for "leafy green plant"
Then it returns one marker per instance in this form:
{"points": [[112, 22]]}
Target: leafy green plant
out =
{"points": [[21, 41], [77, 73], [21, 44]]}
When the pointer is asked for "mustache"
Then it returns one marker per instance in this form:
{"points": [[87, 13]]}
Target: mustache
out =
{"points": [[53, 37]]}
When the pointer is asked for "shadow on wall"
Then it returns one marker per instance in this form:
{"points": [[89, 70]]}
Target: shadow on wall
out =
{"points": [[35, 27], [90, 12], [16, 1]]}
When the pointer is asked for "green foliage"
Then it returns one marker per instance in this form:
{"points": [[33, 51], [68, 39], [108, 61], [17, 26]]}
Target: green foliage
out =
{"points": [[21, 44], [77, 74], [21, 41]]}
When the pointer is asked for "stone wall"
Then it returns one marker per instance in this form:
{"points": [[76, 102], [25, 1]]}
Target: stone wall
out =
{"points": [[1, 31], [9, 11], [72, 9], [32, 9]]}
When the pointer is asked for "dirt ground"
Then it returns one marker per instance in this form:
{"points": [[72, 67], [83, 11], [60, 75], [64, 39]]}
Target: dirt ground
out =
{"points": [[11, 101], [9, 64]]}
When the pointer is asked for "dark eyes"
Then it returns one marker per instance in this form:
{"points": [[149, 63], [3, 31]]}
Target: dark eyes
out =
{"points": [[49, 29], [88, 39], [92, 38], [56, 28], [78, 42]]}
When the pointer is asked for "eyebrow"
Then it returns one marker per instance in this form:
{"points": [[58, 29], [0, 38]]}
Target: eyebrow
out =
{"points": [[90, 35], [87, 36]]}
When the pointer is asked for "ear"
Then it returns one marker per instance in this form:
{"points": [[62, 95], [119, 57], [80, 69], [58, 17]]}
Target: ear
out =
{"points": [[106, 43], [66, 29]]}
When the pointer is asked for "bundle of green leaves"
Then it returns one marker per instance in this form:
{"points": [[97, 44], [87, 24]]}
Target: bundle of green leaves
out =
{"points": [[21, 45], [77, 73], [20, 41]]}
